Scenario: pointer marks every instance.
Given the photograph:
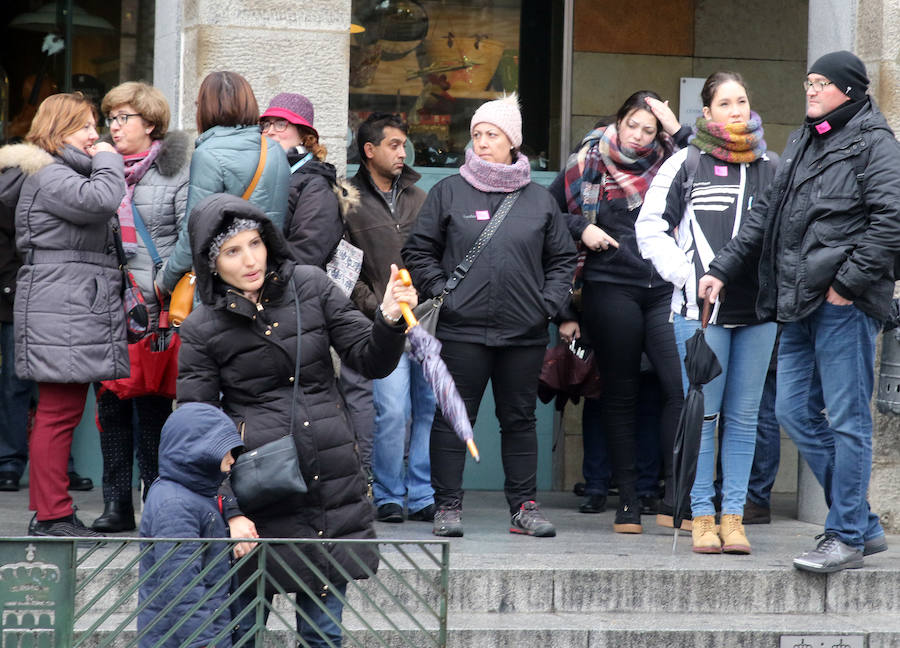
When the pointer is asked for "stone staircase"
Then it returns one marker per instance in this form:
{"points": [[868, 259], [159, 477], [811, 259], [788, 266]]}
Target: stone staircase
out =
{"points": [[590, 588]]}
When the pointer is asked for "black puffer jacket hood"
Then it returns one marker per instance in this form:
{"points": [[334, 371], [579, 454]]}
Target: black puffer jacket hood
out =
{"points": [[211, 216]]}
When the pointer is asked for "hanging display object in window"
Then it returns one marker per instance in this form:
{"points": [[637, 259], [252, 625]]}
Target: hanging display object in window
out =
{"points": [[436, 62]]}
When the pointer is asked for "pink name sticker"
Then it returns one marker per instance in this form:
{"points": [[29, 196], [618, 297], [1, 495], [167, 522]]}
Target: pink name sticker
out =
{"points": [[824, 127], [482, 214], [721, 171]]}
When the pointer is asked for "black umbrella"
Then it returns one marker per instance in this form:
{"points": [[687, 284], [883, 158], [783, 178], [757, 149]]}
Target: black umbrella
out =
{"points": [[701, 366], [427, 350]]}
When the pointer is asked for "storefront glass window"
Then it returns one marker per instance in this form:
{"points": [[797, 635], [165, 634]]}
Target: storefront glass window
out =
{"points": [[112, 42], [436, 61]]}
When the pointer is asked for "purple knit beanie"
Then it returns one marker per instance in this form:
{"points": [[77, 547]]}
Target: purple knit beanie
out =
{"points": [[295, 108], [502, 113]]}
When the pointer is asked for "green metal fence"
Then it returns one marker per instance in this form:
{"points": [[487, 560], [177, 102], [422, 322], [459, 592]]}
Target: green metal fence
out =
{"points": [[65, 593]]}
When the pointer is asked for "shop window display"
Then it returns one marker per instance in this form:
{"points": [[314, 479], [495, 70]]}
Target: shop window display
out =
{"points": [[436, 61], [110, 41]]}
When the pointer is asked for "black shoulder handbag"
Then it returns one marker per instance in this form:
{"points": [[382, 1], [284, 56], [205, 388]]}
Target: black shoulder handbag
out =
{"points": [[271, 473], [428, 312]]}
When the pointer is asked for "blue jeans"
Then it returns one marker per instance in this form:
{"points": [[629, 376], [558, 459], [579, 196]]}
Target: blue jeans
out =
{"points": [[768, 448], [318, 618], [826, 374], [15, 400], [596, 465], [403, 399], [744, 354]]}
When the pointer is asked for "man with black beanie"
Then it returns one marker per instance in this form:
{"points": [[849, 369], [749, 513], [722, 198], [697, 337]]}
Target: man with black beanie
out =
{"points": [[827, 234]]}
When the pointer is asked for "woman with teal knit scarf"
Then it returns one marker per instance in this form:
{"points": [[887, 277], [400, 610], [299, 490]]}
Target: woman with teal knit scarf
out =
{"points": [[681, 227]]}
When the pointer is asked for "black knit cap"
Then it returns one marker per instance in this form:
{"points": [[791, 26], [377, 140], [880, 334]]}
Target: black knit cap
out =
{"points": [[845, 71]]}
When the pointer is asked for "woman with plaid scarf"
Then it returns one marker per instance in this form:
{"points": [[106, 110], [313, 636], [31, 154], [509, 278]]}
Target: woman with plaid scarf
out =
{"points": [[625, 302]]}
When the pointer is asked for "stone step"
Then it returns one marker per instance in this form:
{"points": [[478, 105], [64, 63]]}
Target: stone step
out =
{"points": [[559, 584], [601, 630]]}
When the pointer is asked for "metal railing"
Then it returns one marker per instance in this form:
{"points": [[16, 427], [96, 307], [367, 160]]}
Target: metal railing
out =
{"points": [[89, 593]]}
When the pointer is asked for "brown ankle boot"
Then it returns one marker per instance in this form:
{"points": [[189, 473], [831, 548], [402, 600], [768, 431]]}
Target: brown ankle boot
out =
{"points": [[734, 540], [703, 532]]}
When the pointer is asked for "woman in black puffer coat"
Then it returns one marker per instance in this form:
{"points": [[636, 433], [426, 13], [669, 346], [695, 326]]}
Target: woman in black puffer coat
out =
{"points": [[238, 352], [317, 200]]}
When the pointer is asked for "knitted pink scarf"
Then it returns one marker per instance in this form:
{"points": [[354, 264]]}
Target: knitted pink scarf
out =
{"points": [[491, 177]]}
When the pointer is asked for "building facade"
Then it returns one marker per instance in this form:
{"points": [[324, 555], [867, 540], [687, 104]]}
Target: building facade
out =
{"points": [[571, 61]]}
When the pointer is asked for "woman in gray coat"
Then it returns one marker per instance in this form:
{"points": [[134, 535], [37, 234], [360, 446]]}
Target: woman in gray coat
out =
{"points": [[69, 317], [156, 178]]}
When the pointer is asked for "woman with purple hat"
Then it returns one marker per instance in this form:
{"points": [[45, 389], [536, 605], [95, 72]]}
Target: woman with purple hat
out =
{"points": [[316, 202]]}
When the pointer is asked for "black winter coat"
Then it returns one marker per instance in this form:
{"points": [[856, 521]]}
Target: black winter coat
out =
{"points": [[520, 281], [10, 261], [819, 226], [313, 225], [246, 352]]}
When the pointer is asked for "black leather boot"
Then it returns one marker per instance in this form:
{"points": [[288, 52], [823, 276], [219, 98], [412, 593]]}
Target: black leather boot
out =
{"points": [[117, 516], [79, 483]]}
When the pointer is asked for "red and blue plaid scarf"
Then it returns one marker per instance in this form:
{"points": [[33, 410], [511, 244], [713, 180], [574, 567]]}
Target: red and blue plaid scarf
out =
{"points": [[602, 170]]}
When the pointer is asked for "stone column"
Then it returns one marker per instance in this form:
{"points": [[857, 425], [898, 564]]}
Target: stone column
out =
{"points": [[278, 45], [878, 45], [832, 26]]}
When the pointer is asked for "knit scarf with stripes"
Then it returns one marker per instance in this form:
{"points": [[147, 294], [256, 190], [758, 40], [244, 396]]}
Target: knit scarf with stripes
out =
{"points": [[738, 142]]}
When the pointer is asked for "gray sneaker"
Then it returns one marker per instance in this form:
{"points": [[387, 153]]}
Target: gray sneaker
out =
{"points": [[448, 522], [830, 555], [875, 545], [529, 520]]}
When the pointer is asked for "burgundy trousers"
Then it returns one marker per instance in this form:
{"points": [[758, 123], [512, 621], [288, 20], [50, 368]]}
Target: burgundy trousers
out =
{"points": [[59, 410]]}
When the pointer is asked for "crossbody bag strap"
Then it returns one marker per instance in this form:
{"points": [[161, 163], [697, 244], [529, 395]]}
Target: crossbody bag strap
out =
{"points": [[263, 147], [120, 249], [459, 273], [144, 233], [293, 289]]}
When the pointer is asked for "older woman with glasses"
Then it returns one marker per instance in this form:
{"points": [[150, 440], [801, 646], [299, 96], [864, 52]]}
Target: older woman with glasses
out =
{"points": [[225, 161], [156, 176], [313, 225]]}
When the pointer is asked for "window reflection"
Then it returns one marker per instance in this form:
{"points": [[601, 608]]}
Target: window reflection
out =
{"points": [[435, 62]]}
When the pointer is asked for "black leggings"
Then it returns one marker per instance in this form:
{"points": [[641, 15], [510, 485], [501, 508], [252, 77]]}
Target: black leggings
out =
{"points": [[513, 372], [622, 322], [115, 420]]}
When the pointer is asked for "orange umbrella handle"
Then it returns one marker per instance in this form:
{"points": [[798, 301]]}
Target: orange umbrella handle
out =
{"points": [[473, 449], [404, 307]]}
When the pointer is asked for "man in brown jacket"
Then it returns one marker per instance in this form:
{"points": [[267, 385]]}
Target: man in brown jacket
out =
{"points": [[389, 205]]}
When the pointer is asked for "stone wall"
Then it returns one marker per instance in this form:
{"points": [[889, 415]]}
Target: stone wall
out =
{"points": [[646, 44], [278, 45], [877, 38]]}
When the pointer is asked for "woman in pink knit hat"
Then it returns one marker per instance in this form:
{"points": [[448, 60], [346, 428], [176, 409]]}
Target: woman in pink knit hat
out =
{"points": [[493, 324]]}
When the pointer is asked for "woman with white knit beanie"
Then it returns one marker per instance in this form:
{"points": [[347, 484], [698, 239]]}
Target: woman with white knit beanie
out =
{"points": [[493, 324]]}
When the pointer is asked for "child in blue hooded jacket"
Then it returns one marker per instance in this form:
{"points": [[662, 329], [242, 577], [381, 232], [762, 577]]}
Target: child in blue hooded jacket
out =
{"points": [[197, 447]]}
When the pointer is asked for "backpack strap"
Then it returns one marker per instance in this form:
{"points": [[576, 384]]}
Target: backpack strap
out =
{"points": [[691, 162]]}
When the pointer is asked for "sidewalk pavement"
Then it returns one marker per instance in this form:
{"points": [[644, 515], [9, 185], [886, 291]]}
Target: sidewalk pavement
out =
{"points": [[580, 537]]}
